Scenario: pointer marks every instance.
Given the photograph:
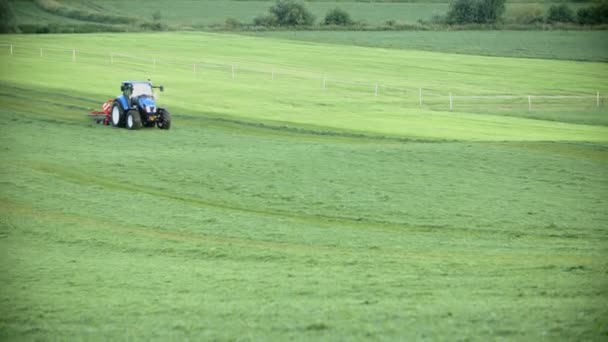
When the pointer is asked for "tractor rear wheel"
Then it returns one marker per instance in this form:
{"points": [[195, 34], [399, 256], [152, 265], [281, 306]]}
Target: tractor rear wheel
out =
{"points": [[165, 119], [133, 119], [118, 115]]}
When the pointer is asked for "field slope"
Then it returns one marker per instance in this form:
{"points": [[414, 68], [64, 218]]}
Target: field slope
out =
{"points": [[292, 201]]}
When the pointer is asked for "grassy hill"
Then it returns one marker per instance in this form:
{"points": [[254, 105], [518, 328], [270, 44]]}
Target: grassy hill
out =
{"points": [[189, 15], [277, 209]]}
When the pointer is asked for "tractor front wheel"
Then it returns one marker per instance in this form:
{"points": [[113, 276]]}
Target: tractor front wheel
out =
{"points": [[118, 115], [165, 119], [133, 119]]}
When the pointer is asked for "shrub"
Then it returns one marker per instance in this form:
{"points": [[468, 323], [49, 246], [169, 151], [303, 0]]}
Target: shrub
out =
{"points": [[156, 16], [338, 16], [560, 14], [291, 13], [268, 20], [231, 23], [7, 18], [475, 11], [528, 14], [593, 15], [490, 11]]}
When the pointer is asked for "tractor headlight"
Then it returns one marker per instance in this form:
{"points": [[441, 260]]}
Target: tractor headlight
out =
{"points": [[150, 109]]}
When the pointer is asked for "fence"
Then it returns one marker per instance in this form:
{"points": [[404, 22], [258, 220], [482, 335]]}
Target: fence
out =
{"points": [[412, 96]]}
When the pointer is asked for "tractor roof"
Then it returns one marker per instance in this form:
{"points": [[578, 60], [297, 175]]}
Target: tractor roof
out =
{"points": [[137, 82]]}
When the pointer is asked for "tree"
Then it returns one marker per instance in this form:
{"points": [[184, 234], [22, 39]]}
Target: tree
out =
{"points": [[7, 18], [291, 13], [560, 14], [337, 16], [475, 11], [593, 15], [490, 11], [156, 16]]}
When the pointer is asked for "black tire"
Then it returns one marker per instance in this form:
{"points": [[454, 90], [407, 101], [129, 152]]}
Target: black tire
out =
{"points": [[165, 119], [117, 118], [133, 119]]}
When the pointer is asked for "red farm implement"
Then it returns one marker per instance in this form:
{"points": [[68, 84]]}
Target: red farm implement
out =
{"points": [[103, 116]]}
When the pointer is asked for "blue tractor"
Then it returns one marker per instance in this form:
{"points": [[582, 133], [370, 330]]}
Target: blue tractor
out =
{"points": [[136, 107]]}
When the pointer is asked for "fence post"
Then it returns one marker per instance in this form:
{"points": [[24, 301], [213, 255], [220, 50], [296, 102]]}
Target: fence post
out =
{"points": [[73, 55], [40, 52], [598, 99], [376, 90], [450, 101], [529, 102], [420, 97]]}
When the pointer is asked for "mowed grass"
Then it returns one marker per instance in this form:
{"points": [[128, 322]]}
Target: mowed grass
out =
{"points": [[264, 215]]}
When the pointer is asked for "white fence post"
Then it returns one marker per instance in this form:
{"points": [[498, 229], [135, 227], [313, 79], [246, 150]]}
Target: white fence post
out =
{"points": [[376, 90], [73, 55], [40, 52], [450, 101], [529, 102], [420, 97]]}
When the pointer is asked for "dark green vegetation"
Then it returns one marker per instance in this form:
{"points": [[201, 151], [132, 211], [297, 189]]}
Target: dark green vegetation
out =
{"points": [[276, 211], [67, 16], [475, 11]]}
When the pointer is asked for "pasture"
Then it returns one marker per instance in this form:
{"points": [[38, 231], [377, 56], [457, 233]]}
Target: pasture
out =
{"points": [[290, 201]]}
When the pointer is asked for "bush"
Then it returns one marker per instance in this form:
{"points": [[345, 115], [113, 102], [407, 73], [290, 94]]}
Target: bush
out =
{"points": [[338, 16], [490, 11], [232, 24], [157, 15], [291, 13], [475, 11], [594, 15], [7, 18], [268, 20], [560, 14], [528, 14]]}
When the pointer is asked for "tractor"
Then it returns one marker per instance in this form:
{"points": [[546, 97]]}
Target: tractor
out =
{"points": [[136, 107]]}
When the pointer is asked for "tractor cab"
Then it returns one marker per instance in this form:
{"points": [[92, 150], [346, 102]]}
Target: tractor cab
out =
{"points": [[132, 91]]}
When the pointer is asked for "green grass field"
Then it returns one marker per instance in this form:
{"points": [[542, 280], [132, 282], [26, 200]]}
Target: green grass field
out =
{"points": [[276, 209], [567, 45]]}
